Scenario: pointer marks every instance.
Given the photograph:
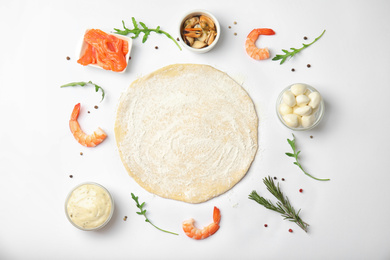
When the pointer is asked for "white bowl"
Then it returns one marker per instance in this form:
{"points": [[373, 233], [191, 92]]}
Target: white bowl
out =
{"points": [[105, 220], [199, 12], [83, 47]]}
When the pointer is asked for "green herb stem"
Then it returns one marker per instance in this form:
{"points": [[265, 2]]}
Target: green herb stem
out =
{"points": [[143, 212], [297, 163], [288, 54], [146, 220], [137, 30], [82, 84]]}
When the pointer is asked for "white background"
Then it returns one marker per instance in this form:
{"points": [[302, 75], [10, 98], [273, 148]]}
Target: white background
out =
{"points": [[348, 216]]}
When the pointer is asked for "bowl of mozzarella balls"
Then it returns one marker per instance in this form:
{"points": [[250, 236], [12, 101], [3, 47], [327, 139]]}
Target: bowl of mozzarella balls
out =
{"points": [[300, 107]]}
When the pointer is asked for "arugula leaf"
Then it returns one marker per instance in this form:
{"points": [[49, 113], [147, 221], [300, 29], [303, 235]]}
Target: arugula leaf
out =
{"points": [[137, 30], [82, 84], [143, 212], [288, 54], [295, 155]]}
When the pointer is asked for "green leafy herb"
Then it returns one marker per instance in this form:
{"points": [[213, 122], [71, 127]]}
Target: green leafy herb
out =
{"points": [[288, 54], [295, 155], [82, 84], [283, 206], [143, 212], [137, 30]]}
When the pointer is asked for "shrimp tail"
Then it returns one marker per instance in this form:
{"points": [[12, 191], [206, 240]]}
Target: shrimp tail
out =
{"points": [[266, 31], [75, 112], [216, 215]]}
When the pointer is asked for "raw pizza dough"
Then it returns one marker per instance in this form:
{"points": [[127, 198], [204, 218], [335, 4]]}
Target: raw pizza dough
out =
{"points": [[186, 132]]}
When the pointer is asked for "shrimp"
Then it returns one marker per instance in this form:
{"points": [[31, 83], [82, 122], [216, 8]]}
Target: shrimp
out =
{"points": [[87, 140], [250, 46], [195, 233]]}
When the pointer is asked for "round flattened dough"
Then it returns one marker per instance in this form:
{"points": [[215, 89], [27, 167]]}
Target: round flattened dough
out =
{"points": [[186, 132]]}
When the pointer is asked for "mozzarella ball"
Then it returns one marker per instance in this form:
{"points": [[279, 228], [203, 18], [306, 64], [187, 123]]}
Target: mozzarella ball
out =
{"points": [[298, 89], [315, 100], [308, 121], [289, 98], [285, 109], [291, 120], [302, 100], [302, 111]]}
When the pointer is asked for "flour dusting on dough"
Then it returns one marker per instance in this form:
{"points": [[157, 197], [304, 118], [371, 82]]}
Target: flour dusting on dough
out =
{"points": [[186, 132]]}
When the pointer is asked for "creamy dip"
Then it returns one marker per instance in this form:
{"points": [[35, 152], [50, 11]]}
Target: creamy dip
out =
{"points": [[89, 206]]}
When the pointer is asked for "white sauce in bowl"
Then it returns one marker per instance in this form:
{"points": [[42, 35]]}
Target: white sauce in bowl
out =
{"points": [[89, 206]]}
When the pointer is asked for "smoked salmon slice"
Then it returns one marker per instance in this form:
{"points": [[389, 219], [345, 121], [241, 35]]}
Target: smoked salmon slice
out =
{"points": [[104, 50]]}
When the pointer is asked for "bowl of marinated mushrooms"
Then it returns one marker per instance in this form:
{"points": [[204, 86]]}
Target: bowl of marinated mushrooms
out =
{"points": [[199, 31]]}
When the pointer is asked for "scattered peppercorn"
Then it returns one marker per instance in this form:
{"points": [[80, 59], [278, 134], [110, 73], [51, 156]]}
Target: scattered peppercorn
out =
{"points": [[156, 47], [308, 65], [300, 190], [265, 225], [125, 218], [230, 27], [81, 153], [71, 176], [292, 69], [177, 39], [89, 112], [68, 58], [96, 107], [290, 230], [129, 57], [305, 38], [282, 179], [235, 22], [275, 178], [311, 137], [235, 34]]}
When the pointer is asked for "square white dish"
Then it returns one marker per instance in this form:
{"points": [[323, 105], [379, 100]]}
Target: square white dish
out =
{"points": [[83, 46]]}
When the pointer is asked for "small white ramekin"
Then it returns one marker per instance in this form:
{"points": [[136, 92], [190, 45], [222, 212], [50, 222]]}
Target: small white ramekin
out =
{"points": [[105, 222], [199, 12]]}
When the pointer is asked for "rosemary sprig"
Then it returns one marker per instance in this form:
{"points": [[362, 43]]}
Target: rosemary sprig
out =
{"points": [[143, 212], [137, 30], [288, 54], [295, 155], [82, 84], [283, 206]]}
